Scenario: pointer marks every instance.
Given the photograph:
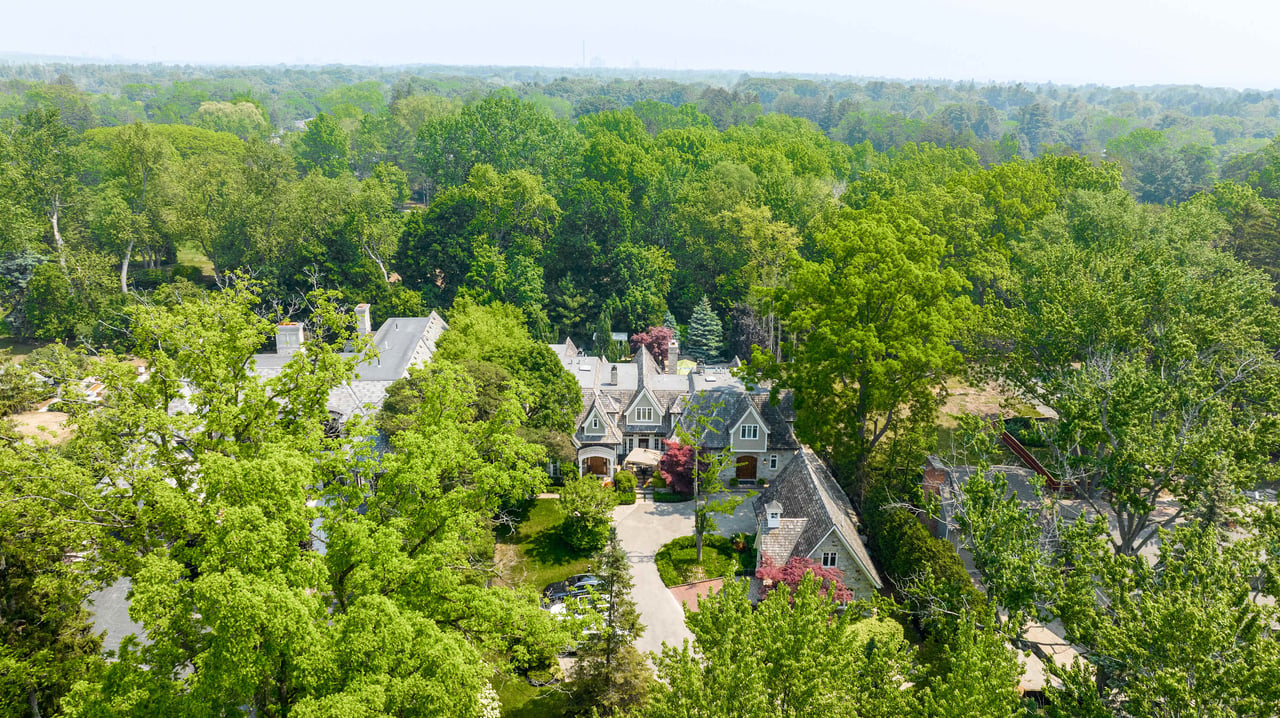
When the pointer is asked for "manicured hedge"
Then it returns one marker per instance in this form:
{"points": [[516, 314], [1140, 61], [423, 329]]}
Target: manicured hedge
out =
{"points": [[670, 497]]}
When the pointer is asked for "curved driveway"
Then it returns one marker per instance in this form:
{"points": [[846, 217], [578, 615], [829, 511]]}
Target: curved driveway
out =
{"points": [[643, 528]]}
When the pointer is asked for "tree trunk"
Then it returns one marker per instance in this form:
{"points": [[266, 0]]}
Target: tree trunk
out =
{"points": [[57, 237], [124, 268], [34, 701]]}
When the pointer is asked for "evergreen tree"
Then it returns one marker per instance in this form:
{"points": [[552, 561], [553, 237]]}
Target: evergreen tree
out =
{"points": [[603, 332], [706, 334], [669, 321], [610, 675]]}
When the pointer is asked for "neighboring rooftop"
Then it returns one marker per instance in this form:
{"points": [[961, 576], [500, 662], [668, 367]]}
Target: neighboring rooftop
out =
{"points": [[401, 342]]}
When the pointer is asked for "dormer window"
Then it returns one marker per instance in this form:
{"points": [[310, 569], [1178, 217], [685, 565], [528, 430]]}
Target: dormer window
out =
{"points": [[595, 422], [749, 432], [774, 511], [644, 415]]}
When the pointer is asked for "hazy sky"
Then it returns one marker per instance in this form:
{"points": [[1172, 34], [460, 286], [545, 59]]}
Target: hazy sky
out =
{"points": [[1116, 42]]}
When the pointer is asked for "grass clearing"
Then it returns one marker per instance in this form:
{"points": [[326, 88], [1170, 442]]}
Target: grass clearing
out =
{"points": [[16, 348], [534, 554], [521, 700], [190, 254]]}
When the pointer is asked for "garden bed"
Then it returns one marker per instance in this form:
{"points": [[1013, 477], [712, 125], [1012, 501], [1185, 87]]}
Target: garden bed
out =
{"points": [[677, 561]]}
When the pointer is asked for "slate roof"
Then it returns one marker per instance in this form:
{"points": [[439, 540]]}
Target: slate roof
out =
{"points": [[401, 342], [812, 505], [608, 409], [725, 405], [780, 543]]}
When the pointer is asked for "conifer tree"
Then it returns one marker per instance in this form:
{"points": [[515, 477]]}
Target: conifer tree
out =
{"points": [[603, 333], [706, 335], [610, 675]]}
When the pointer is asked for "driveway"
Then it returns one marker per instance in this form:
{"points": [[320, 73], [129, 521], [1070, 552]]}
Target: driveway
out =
{"points": [[643, 528]]}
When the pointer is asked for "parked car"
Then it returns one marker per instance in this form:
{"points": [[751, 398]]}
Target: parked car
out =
{"points": [[573, 586]]}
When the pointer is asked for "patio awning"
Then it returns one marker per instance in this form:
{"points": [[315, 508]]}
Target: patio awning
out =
{"points": [[643, 457]]}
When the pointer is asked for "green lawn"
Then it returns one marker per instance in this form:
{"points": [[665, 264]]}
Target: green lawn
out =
{"points": [[190, 254], [521, 700], [16, 348], [534, 555]]}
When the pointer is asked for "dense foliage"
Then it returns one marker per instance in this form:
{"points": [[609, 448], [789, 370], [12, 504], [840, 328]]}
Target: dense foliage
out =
{"points": [[1108, 254]]}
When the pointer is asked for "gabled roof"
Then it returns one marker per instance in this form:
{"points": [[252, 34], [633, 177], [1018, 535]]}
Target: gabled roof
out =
{"points": [[749, 411], [606, 407], [813, 505], [725, 406], [401, 342]]}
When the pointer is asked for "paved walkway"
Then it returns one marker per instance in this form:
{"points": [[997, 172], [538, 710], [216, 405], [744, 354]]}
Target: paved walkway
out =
{"points": [[643, 528]]}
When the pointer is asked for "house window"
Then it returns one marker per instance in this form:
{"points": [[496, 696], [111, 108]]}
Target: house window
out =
{"points": [[773, 462], [829, 559], [595, 423], [553, 468], [749, 432], [644, 415]]}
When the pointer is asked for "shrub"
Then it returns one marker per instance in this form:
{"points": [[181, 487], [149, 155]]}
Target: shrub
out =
{"points": [[905, 550], [624, 482], [188, 272], [1025, 430], [657, 482]]}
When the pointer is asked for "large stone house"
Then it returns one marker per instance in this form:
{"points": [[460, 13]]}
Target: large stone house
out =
{"points": [[401, 343], [804, 512], [635, 405]]}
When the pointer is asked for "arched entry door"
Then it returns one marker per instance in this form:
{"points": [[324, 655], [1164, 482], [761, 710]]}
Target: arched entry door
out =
{"points": [[746, 469], [597, 465]]}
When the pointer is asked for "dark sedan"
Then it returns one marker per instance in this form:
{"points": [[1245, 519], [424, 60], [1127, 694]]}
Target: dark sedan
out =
{"points": [[578, 585]]}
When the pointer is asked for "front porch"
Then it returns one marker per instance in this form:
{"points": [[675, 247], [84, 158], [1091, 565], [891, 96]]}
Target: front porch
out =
{"points": [[598, 460]]}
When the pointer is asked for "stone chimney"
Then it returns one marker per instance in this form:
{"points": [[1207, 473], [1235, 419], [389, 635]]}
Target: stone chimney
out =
{"points": [[364, 319], [673, 355], [613, 374], [289, 336]]}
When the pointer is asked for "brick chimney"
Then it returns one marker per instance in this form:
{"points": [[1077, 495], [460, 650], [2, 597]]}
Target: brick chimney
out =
{"points": [[613, 374], [289, 337], [934, 476], [364, 319]]}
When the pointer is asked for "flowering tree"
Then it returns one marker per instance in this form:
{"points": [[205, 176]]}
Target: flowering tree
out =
{"points": [[793, 572], [656, 340], [677, 466]]}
